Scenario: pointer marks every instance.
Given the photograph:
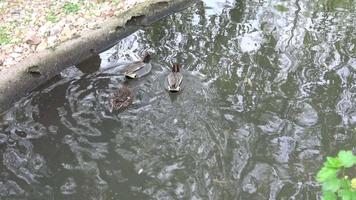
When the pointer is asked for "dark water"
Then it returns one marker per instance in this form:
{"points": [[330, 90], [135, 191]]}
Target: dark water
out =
{"points": [[269, 91]]}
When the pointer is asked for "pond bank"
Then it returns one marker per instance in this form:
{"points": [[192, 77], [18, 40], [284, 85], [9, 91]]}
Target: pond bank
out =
{"points": [[31, 26], [34, 70]]}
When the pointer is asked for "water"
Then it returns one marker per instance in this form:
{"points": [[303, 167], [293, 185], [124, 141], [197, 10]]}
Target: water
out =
{"points": [[269, 91]]}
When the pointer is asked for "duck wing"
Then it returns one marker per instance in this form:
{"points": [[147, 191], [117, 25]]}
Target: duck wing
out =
{"points": [[171, 80], [179, 78], [133, 67], [174, 79]]}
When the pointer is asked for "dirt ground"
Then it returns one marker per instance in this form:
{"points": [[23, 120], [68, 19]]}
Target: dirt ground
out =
{"points": [[29, 26]]}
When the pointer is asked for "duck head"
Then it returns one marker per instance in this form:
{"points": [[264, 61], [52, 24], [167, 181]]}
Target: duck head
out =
{"points": [[176, 67], [147, 58]]}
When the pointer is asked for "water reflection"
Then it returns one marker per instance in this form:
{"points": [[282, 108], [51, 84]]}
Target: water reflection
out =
{"points": [[269, 91]]}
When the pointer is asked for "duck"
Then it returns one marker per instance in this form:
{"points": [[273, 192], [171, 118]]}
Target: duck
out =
{"points": [[121, 98], [139, 68], [174, 79]]}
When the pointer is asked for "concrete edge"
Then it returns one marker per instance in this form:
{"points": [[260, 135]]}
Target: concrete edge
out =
{"points": [[17, 81]]}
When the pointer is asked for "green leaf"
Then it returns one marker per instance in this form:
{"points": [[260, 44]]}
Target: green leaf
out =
{"points": [[332, 184], [333, 162], [345, 183], [52, 17], [346, 158], [71, 7], [326, 173], [4, 36], [346, 195], [327, 195]]}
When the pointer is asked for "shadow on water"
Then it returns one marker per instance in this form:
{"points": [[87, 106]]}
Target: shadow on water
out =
{"points": [[269, 91], [90, 65]]}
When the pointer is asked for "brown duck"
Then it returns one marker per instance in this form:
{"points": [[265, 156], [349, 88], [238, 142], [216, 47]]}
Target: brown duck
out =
{"points": [[174, 79], [121, 99], [139, 68]]}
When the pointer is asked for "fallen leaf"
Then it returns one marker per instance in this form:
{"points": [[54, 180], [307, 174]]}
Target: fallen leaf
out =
{"points": [[15, 55], [9, 62], [55, 30], [66, 33], [43, 45], [51, 41], [2, 59], [18, 49], [33, 39]]}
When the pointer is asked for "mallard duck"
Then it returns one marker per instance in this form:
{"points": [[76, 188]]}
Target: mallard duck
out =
{"points": [[121, 99], [174, 79], [139, 68]]}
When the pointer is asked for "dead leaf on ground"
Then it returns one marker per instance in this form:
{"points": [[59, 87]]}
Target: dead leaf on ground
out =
{"points": [[2, 58], [43, 45], [33, 39]]}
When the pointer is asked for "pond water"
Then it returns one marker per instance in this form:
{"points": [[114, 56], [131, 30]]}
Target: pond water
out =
{"points": [[269, 91]]}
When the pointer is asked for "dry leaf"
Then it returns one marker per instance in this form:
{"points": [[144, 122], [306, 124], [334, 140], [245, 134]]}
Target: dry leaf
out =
{"points": [[51, 41], [15, 55], [43, 45], [9, 61], [33, 39], [18, 49], [2, 58]]}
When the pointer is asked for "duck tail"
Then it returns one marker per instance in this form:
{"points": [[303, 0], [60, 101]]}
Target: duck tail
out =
{"points": [[147, 58]]}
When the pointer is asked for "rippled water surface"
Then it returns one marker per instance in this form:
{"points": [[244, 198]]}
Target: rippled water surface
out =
{"points": [[269, 91]]}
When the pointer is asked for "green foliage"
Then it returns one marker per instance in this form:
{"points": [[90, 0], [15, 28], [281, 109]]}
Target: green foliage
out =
{"points": [[71, 7], [333, 162], [347, 194], [4, 36], [346, 158], [326, 173], [327, 195], [52, 17], [334, 186]]}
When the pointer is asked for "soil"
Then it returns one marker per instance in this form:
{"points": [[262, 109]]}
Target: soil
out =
{"points": [[29, 26]]}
